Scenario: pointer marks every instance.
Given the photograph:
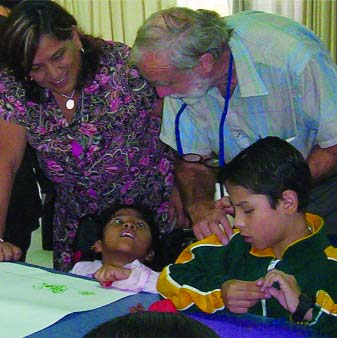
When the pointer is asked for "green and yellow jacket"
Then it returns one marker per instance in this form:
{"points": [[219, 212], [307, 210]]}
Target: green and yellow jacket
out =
{"points": [[201, 269]]}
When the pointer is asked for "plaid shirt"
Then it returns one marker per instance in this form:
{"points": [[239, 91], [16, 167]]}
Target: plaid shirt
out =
{"points": [[287, 87]]}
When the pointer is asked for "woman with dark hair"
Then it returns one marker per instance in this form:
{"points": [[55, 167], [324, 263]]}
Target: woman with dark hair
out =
{"points": [[88, 116]]}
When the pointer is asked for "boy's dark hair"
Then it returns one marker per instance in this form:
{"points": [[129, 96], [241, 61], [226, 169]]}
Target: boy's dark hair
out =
{"points": [[152, 325], [21, 33], [269, 167], [91, 228]]}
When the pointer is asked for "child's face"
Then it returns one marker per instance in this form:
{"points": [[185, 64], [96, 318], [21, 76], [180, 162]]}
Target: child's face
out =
{"points": [[127, 232], [259, 224]]}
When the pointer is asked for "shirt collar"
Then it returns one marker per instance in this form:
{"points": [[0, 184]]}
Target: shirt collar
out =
{"points": [[315, 222], [250, 82]]}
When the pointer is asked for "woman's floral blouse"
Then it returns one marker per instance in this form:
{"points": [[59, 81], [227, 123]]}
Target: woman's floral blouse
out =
{"points": [[109, 154]]}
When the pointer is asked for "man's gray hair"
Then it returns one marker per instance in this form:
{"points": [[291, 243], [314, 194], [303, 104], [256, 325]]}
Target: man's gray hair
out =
{"points": [[183, 34]]}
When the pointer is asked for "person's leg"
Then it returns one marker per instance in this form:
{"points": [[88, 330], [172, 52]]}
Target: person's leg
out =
{"points": [[48, 200], [25, 206], [47, 221]]}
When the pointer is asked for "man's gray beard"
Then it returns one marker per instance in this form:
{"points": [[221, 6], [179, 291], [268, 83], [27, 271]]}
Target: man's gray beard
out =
{"points": [[195, 95], [193, 99]]}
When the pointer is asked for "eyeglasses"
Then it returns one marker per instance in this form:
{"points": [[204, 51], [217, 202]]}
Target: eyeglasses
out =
{"points": [[196, 158]]}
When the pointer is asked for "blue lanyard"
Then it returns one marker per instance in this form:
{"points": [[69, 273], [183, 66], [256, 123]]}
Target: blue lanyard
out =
{"points": [[177, 130], [222, 120]]}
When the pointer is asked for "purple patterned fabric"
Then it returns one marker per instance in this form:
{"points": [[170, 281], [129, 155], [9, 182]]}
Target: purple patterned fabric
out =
{"points": [[109, 154]]}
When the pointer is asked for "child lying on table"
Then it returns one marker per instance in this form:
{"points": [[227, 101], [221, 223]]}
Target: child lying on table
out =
{"points": [[124, 239], [278, 263]]}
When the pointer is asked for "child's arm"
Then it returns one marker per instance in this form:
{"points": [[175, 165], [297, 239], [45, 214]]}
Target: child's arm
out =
{"points": [[137, 277], [108, 274], [85, 268], [141, 278], [196, 277]]}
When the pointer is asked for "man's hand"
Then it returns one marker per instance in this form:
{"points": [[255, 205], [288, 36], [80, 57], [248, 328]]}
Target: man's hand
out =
{"points": [[212, 219], [157, 108], [108, 274], [225, 204], [9, 252], [196, 184], [239, 295], [176, 210], [282, 287]]}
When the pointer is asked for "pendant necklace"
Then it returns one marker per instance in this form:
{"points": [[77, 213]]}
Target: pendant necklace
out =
{"points": [[70, 102]]}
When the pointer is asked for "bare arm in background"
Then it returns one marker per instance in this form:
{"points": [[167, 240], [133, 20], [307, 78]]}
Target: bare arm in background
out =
{"points": [[13, 141], [322, 162]]}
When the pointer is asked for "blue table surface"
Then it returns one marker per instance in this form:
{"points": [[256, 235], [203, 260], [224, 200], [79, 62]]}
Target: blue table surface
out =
{"points": [[77, 324]]}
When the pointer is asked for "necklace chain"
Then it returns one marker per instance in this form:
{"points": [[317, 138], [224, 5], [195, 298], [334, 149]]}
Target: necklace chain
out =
{"points": [[68, 97]]}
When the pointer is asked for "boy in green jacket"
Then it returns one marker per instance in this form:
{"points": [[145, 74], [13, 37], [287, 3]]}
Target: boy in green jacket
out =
{"points": [[279, 262]]}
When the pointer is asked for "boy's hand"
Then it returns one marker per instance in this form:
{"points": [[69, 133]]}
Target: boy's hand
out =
{"points": [[239, 295], [287, 292], [108, 274]]}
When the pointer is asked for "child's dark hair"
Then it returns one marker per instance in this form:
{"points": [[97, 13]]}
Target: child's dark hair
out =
{"points": [[107, 215], [151, 325], [269, 167]]}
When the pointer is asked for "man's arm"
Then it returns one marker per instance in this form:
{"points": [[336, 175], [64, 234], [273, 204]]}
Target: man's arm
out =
{"points": [[12, 146], [322, 162], [196, 183], [318, 95]]}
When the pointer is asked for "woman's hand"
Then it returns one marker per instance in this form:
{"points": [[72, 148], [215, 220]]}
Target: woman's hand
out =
{"points": [[9, 252], [108, 274]]}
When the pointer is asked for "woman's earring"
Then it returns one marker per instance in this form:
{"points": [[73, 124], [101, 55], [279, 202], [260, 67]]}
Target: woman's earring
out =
{"points": [[28, 78], [82, 50]]}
